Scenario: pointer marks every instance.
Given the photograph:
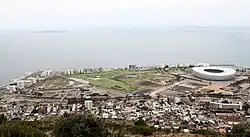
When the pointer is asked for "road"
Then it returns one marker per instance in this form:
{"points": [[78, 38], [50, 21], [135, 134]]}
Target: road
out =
{"points": [[154, 93], [67, 93], [79, 80]]}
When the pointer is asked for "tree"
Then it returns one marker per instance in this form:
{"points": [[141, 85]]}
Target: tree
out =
{"points": [[241, 130], [19, 129], [66, 115], [2, 119], [204, 132], [117, 129], [140, 127], [184, 124], [245, 107], [80, 126], [140, 121], [143, 130]]}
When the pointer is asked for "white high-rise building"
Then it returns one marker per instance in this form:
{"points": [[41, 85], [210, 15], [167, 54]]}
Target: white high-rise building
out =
{"points": [[88, 104], [47, 73], [21, 84], [49, 108], [74, 107], [69, 72], [80, 71], [33, 80], [12, 88]]}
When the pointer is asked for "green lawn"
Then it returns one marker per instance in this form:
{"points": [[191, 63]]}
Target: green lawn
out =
{"points": [[108, 83], [53, 83], [129, 80], [106, 79], [56, 82], [2, 92]]}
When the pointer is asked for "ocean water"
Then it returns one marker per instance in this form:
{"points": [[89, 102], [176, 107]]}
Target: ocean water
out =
{"points": [[27, 51]]}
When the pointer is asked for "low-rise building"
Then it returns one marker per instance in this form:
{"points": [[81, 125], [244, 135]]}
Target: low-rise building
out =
{"points": [[21, 84], [133, 67], [12, 88], [217, 105], [33, 80], [88, 104]]}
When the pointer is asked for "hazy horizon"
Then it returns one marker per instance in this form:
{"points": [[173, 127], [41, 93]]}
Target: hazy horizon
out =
{"points": [[27, 51], [81, 14], [77, 33]]}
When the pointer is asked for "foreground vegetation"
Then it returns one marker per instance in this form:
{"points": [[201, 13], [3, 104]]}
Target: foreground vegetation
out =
{"points": [[89, 126]]}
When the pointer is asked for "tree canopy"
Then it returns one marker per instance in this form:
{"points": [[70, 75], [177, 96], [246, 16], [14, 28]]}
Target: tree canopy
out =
{"points": [[140, 127], [19, 129], [241, 130], [80, 126]]}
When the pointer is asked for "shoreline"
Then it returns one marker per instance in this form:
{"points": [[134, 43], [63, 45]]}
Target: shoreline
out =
{"points": [[16, 79], [171, 65]]}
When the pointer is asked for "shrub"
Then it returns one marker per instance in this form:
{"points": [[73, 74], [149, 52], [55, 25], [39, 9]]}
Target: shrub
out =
{"points": [[143, 130], [204, 132], [80, 126], [19, 129], [140, 127], [240, 130]]}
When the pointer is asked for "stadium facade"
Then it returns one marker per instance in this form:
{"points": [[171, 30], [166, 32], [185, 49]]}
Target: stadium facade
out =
{"points": [[214, 73]]}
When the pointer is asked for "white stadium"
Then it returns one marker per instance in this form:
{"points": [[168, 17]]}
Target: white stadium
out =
{"points": [[214, 73]]}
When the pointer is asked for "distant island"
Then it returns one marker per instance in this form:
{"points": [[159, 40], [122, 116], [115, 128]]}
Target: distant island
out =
{"points": [[50, 31]]}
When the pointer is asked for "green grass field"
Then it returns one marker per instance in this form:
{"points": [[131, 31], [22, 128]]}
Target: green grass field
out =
{"points": [[53, 83], [115, 80]]}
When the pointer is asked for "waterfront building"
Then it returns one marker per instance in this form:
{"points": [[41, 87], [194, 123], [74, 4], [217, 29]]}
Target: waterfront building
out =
{"points": [[100, 69], [69, 72], [12, 88], [21, 84], [133, 67], [203, 65], [80, 71], [47, 73], [33, 80]]}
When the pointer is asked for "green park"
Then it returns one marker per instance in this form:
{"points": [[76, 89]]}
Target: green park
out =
{"points": [[121, 80]]}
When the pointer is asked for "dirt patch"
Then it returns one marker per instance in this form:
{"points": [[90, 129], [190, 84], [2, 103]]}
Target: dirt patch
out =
{"points": [[195, 84], [181, 88], [142, 92], [148, 84]]}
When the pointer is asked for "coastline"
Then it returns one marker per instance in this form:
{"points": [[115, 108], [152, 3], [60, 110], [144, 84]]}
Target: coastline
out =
{"points": [[30, 73], [16, 79]]}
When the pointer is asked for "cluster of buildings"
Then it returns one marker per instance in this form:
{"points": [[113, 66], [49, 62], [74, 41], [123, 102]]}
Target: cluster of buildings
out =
{"points": [[86, 70], [208, 98], [20, 84], [161, 113], [29, 80]]}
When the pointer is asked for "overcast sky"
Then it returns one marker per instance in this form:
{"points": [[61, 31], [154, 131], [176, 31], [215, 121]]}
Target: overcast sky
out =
{"points": [[74, 14]]}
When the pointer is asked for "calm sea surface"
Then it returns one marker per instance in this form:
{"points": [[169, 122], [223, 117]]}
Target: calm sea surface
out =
{"points": [[24, 51]]}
